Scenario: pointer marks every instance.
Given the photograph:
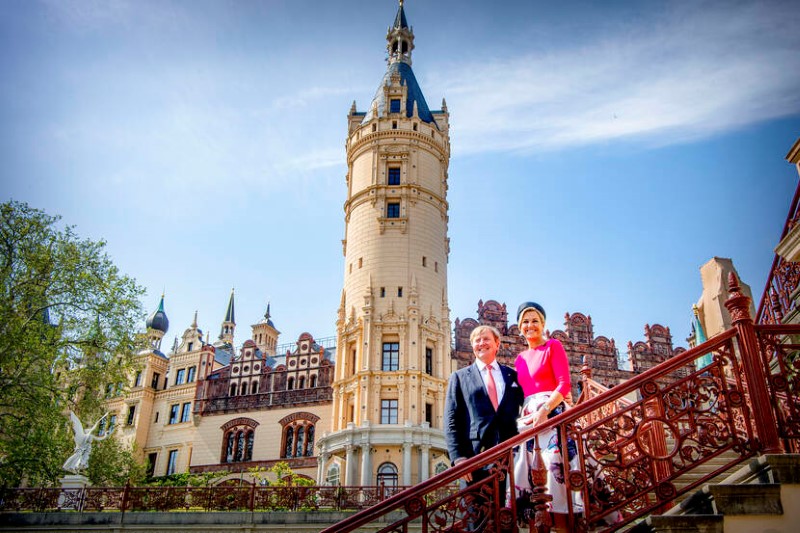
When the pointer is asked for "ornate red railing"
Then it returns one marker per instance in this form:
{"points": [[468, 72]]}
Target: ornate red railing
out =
{"points": [[633, 455], [784, 277], [213, 498]]}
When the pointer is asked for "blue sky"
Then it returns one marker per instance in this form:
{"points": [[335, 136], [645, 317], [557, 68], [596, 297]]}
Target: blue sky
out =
{"points": [[601, 152]]}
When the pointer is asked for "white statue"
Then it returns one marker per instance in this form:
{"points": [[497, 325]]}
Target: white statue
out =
{"points": [[79, 460]]}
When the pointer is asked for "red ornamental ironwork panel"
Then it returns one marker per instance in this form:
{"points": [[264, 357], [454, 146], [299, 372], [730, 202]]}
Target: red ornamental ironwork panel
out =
{"points": [[633, 458], [102, 499], [781, 358]]}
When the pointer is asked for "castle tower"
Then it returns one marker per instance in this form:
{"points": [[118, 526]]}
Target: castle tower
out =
{"points": [[228, 326], [393, 327], [157, 326], [265, 335]]}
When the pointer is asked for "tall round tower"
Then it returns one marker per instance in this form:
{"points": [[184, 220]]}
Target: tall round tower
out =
{"points": [[393, 327]]}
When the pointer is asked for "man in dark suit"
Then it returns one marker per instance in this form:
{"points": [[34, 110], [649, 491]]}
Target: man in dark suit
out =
{"points": [[482, 404]]}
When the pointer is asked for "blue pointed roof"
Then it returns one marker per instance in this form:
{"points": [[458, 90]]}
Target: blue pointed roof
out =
{"points": [[414, 94], [400, 19]]}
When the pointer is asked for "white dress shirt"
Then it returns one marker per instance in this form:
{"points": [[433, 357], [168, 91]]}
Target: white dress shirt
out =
{"points": [[499, 382]]}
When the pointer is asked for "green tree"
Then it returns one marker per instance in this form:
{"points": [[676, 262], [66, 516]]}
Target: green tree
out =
{"points": [[67, 329]]}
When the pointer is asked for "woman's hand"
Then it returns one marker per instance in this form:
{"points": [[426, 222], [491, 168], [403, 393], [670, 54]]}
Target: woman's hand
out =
{"points": [[540, 417]]}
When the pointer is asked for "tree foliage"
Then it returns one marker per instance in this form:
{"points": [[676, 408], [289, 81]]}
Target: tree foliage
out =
{"points": [[67, 328]]}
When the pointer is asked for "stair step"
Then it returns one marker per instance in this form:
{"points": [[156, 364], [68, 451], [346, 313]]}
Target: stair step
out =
{"points": [[686, 524], [762, 499]]}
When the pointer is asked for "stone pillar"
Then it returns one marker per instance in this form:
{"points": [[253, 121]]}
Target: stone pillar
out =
{"points": [[350, 465], [407, 464], [366, 465], [424, 462], [321, 460]]}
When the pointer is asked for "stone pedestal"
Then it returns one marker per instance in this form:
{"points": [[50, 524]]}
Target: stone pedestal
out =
{"points": [[72, 486]]}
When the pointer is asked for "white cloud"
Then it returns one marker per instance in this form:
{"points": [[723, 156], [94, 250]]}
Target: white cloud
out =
{"points": [[695, 72]]}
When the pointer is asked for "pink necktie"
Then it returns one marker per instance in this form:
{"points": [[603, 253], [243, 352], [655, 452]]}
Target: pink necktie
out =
{"points": [[491, 388]]}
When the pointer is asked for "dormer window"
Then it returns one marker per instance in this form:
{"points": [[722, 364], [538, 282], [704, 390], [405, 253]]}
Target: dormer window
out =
{"points": [[394, 105]]}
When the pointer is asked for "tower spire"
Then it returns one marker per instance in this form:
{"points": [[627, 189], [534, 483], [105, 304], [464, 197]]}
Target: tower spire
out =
{"points": [[400, 38], [229, 324]]}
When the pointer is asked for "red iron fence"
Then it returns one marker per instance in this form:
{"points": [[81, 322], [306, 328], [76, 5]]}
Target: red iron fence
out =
{"points": [[212, 498]]}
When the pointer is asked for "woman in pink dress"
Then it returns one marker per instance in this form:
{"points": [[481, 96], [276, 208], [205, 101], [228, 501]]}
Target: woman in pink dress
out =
{"points": [[543, 374]]}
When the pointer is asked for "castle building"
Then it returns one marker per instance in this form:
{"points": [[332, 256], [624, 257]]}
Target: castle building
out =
{"points": [[393, 326], [206, 407]]}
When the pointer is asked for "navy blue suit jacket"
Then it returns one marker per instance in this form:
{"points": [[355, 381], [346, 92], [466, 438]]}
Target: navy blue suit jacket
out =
{"points": [[471, 423]]}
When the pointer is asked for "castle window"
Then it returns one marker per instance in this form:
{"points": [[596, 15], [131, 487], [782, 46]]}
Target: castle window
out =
{"points": [[189, 347], [151, 464], [173, 414], [299, 440], [393, 177], [360, 262], [172, 462], [424, 261], [415, 126], [399, 292], [233, 389], [391, 356], [387, 475], [186, 410], [429, 361], [388, 411], [111, 423], [313, 381], [238, 440], [155, 420], [138, 381], [393, 210], [301, 383], [436, 266], [239, 444], [429, 414], [290, 384], [332, 477], [394, 124], [255, 387], [383, 292], [244, 389], [374, 128], [131, 415], [180, 376], [394, 105], [191, 374], [288, 450]]}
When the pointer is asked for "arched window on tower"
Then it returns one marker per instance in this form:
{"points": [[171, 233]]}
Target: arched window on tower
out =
{"points": [[313, 381], [244, 389], [255, 387], [290, 384], [301, 383], [233, 389]]}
